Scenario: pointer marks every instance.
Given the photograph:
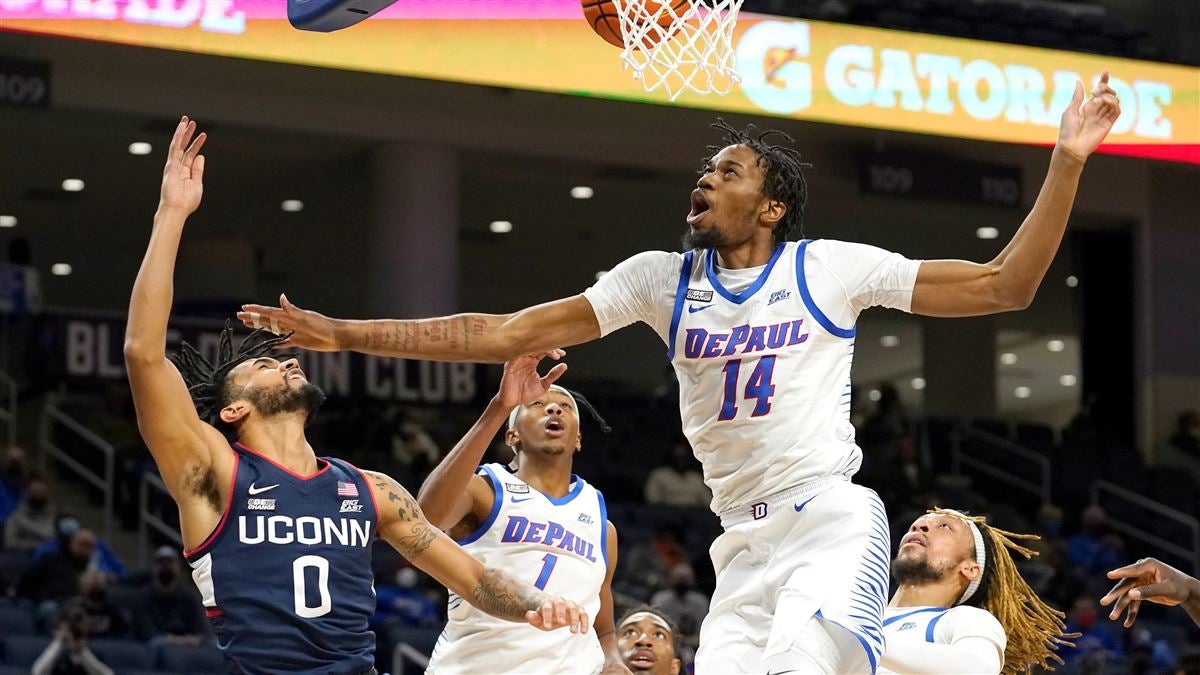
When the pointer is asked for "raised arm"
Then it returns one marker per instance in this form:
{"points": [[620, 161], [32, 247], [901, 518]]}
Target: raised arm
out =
{"points": [[177, 438], [494, 591], [483, 338], [1009, 282], [453, 491]]}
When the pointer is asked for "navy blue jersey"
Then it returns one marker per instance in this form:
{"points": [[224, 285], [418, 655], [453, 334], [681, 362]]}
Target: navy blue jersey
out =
{"points": [[286, 575]]}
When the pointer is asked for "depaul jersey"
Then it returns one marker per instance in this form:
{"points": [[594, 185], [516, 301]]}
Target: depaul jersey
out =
{"points": [[940, 625], [558, 545], [762, 355], [285, 578]]}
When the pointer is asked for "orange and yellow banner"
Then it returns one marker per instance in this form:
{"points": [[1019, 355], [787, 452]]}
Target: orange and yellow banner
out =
{"points": [[835, 73]]}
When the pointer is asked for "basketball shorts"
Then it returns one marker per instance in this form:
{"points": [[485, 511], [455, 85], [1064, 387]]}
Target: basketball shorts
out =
{"points": [[817, 550]]}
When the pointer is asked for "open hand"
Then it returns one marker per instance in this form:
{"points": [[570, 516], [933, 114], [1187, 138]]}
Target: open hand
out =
{"points": [[521, 383], [1084, 125], [1147, 580], [309, 329], [183, 175], [556, 612]]}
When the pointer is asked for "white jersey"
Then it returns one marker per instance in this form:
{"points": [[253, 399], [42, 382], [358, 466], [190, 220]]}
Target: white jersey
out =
{"points": [[940, 625], [558, 545], [762, 355]]}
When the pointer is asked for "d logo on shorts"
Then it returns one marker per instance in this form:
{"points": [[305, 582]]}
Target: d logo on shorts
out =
{"points": [[759, 510]]}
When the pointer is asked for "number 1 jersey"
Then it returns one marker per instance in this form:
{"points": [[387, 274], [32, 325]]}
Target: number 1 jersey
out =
{"points": [[285, 577], [559, 546]]}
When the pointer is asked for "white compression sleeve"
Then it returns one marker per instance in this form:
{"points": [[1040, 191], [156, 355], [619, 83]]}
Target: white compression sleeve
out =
{"points": [[968, 656]]}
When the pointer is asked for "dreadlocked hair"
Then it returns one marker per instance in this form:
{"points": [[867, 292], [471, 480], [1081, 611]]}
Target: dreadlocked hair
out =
{"points": [[587, 405], [783, 172], [1035, 630], [207, 382]]}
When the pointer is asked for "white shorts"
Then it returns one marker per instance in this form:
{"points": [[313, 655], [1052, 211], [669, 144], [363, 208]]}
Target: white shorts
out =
{"points": [[817, 550]]}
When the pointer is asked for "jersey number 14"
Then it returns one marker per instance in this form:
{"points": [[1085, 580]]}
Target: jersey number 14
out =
{"points": [[759, 388]]}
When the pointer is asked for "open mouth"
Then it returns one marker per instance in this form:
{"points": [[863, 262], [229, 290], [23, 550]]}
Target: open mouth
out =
{"points": [[555, 427], [700, 206], [914, 539], [643, 659]]}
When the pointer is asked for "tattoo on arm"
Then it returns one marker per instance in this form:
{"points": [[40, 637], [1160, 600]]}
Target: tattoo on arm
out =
{"points": [[418, 539], [505, 596], [420, 534]]}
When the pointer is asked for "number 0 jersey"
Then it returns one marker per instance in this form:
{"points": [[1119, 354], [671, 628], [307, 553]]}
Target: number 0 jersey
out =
{"points": [[558, 545], [285, 577], [762, 355]]}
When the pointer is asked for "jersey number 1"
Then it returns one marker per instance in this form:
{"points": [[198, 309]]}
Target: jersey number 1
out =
{"points": [[548, 562], [759, 387]]}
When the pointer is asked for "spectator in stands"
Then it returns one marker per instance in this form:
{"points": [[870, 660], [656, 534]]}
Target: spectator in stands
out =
{"points": [[166, 610], [12, 481], [646, 639], [105, 619], [104, 558], [69, 652], [114, 421], [650, 561], [1093, 637], [1094, 550], [682, 601], [1150, 580], [908, 478], [55, 577], [678, 483], [32, 524], [404, 603]]}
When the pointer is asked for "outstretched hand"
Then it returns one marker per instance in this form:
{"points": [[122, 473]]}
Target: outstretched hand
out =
{"points": [[557, 612], [1084, 125], [521, 382], [183, 175], [1147, 580], [309, 329]]}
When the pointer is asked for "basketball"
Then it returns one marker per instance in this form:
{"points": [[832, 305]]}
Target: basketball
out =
{"points": [[605, 19]]}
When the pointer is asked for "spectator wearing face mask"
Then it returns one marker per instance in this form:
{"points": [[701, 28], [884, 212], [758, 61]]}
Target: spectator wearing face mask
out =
{"points": [[32, 523], [166, 610], [105, 619]]}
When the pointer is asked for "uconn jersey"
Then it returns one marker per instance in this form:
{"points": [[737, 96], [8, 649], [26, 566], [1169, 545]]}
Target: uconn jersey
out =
{"points": [[558, 545], [286, 576], [762, 355], [940, 625]]}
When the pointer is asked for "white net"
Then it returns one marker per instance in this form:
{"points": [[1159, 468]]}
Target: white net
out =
{"points": [[680, 45]]}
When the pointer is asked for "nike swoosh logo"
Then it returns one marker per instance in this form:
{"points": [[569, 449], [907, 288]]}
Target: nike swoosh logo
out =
{"points": [[518, 501], [692, 309], [254, 491], [783, 672], [798, 508]]}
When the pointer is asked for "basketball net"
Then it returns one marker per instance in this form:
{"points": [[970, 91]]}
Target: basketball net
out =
{"points": [[689, 49]]}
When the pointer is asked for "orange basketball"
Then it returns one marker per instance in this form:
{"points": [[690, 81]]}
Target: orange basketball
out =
{"points": [[604, 18]]}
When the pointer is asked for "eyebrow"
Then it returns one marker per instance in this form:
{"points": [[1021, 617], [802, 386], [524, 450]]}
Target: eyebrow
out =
{"points": [[255, 362]]}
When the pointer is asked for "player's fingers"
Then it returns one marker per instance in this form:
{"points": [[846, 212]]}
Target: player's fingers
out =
{"points": [[1132, 570], [284, 303], [583, 621], [198, 169], [533, 618], [555, 373], [1116, 591], [1132, 615], [175, 138], [261, 309], [193, 149], [1151, 591], [1123, 601], [1076, 100], [548, 615], [560, 612]]}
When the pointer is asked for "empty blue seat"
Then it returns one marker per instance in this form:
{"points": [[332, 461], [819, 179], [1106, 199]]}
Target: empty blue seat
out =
{"points": [[23, 651], [16, 620], [184, 659], [123, 655]]}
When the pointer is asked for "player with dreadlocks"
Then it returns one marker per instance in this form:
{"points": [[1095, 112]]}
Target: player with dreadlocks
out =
{"points": [[961, 605], [279, 539], [760, 330], [534, 519]]}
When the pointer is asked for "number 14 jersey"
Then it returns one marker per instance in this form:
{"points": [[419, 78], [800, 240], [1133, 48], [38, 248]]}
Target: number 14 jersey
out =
{"points": [[559, 546]]}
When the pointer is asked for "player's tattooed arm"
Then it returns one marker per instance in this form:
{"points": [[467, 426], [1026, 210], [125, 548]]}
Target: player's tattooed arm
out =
{"points": [[402, 525], [488, 338]]}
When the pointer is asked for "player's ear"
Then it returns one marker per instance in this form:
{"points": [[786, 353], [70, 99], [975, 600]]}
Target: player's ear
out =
{"points": [[971, 570], [676, 666], [511, 438], [772, 212], [235, 412], [578, 441]]}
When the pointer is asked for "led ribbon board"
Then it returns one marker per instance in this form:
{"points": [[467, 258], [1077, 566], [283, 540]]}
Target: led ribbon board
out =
{"points": [[809, 70]]}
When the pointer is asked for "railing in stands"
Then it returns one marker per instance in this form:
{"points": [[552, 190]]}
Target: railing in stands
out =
{"points": [[8, 411], [405, 654], [960, 457], [148, 520], [52, 416], [1103, 488]]}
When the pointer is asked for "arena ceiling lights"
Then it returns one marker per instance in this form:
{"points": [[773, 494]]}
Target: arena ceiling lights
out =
{"points": [[834, 73]]}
